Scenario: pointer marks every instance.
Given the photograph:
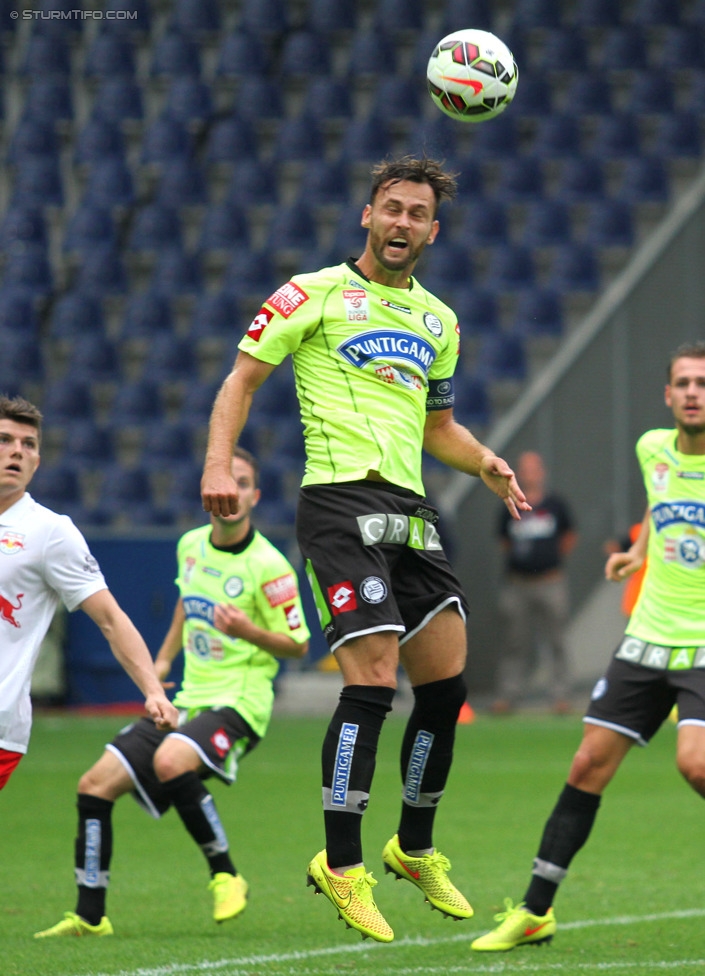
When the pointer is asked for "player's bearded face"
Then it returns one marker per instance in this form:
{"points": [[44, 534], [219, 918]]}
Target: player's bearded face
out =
{"points": [[400, 223], [685, 395]]}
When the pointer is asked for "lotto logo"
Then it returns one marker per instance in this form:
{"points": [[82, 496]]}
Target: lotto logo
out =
{"points": [[341, 598], [293, 617], [259, 324], [221, 742]]}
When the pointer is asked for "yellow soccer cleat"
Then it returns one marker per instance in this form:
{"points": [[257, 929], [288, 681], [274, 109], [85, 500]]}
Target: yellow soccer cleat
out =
{"points": [[517, 927], [72, 924], [351, 893], [430, 874], [229, 895]]}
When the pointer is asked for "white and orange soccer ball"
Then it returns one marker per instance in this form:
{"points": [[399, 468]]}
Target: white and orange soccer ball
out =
{"points": [[472, 75]]}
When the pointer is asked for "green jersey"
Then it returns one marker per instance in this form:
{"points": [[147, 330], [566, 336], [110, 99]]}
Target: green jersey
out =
{"points": [[369, 361], [670, 610], [221, 670]]}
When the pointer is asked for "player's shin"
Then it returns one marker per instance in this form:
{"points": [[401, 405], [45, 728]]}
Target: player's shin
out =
{"points": [[195, 806], [93, 851]]}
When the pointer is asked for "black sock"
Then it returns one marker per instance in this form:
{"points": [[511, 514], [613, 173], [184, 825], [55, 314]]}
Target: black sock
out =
{"points": [[195, 806], [348, 765], [93, 850], [565, 832], [426, 757]]}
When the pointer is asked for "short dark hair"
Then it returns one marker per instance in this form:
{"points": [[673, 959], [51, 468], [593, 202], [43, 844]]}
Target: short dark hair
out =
{"points": [[244, 455], [21, 411], [686, 350], [423, 170]]}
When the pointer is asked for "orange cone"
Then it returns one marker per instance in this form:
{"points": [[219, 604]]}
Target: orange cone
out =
{"points": [[466, 714]]}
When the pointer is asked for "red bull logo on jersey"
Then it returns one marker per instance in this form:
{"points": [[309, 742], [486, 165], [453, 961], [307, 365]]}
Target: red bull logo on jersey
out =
{"points": [[388, 344], [11, 542], [7, 609]]}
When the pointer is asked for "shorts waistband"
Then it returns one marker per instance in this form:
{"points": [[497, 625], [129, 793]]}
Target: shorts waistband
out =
{"points": [[660, 657]]}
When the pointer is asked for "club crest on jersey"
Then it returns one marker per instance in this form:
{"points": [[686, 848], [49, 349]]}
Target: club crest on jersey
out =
{"points": [[287, 299], [357, 306], [433, 324], [11, 542], [659, 476], [389, 345]]}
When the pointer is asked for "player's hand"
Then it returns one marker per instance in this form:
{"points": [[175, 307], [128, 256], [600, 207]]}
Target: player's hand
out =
{"points": [[621, 565], [500, 479], [232, 621], [164, 715], [219, 493], [163, 667]]}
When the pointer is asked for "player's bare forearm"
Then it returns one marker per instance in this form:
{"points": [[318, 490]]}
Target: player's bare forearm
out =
{"points": [[621, 565], [171, 645], [456, 446]]}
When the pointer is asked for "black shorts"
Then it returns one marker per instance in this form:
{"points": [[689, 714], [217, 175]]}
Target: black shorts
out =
{"points": [[636, 699], [220, 736], [374, 559]]}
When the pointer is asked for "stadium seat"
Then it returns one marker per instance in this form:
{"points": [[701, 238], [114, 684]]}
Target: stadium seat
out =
{"points": [[57, 487], [557, 137], [177, 273], [101, 273], [539, 312], [89, 227], [76, 313], [49, 99], [132, 17], [589, 93], [502, 356], [109, 55], [623, 49], [498, 140], [225, 226], [327, 98], [169, 359], [537, 13], [330, 16], [94, 358], [67, 399], [38, 183], [327, 182], [196, 16], [472, 406], [28, 268], [241, 54], [253, 183], [181, 183], [118, 100], [581, 179], [679, 135], [655, 13], [371, 53], [18, 312], [298, 139], [264, 16], [436, 137], [485, 223], [260, 97], [90, 445], [32, 137], [175, 55], [399, 15], [616, 136], [651, 94], [682, 48], [250, 273], [62, 23], [511, 268], [644, 179], [398, 98], [109, 184], [165, 138], [460, 13], [198, 400], [469, 177], [562, 49], [147, 313], [23, 225], [365, 140], [216, 314], [610, 224], [303, 53], [292, 227], [136, 403], [230, 140], [444, 266], [597, 13], [548, 224], [46, 54], [575, 268], [98, 139], [520, 179], [154, 227], [349, 236], [534, 97], [167, 444], [477, 310], [189, 100], [127, 494]]}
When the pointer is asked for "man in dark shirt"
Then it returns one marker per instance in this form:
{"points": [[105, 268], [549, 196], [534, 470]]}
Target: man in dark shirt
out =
{"points": [[533, 601]]}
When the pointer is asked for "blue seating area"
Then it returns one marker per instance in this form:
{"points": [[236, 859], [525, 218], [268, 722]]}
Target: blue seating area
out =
{"points": [[167, 167]]}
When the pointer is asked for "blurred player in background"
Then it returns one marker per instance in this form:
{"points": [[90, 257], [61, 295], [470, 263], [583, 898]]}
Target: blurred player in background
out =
{"points": [[238, 611], [374, 355], [659, 664], [44, 559]]}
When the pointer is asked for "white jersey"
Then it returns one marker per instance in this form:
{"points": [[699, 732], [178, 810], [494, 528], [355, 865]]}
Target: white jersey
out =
{"points": [[43, 559]]}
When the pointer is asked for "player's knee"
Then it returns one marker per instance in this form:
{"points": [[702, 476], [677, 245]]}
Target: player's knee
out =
{"points": [[92, 782], [692, 767]]}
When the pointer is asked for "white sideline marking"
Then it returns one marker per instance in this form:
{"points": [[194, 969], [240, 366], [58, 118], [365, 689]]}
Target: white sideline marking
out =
{"points": [[499, 966]]}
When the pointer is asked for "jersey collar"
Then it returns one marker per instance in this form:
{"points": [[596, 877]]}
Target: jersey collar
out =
{"points": [[239, 546], [353, 267], [16, 512]]}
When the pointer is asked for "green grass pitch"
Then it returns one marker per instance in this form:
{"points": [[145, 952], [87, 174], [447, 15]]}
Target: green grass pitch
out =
{"points": [[633, 903]]}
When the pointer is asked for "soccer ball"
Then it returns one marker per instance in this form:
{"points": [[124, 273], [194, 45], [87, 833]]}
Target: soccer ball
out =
{"points": [[472, 75]]}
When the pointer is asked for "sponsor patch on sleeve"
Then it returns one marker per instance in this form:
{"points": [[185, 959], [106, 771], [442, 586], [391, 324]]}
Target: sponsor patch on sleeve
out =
{"points": [[280, 590], [259, 324], [287, 299]]}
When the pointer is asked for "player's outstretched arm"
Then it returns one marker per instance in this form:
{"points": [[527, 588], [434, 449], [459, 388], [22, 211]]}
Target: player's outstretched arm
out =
{"points": [[621, 565], [171, 645], [230, 412], [130, 650]]}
